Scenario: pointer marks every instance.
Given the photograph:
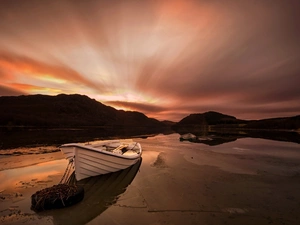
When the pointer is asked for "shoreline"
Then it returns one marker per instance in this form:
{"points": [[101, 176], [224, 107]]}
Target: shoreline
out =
{"points": [[177, 183], [22, 176], [18, 161]]}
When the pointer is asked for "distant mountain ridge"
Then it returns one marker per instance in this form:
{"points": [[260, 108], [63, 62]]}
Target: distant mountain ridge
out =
{"points": [[207, 118], [79, 110], [211, 120], [68, 111]]}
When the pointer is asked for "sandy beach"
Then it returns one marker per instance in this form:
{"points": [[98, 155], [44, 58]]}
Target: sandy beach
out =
{"points": [[176, 183]]}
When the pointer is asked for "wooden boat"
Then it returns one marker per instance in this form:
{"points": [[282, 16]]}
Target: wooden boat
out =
{"points": [[188, 137], [101, 157], [100, 192]]}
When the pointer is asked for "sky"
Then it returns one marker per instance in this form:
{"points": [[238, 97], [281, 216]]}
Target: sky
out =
{"points": [[164, 58]]}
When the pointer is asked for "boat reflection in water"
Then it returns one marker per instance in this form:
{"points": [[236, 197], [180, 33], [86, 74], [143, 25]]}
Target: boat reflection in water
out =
{"points": [[218, 138], [207, 139], [100, 192]]}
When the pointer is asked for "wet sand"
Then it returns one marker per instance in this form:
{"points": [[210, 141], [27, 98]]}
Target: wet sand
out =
{"points": [[177, 183]]}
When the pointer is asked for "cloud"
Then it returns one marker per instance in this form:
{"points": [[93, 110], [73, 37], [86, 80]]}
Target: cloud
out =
{"points": [[147, 108], [164, 58], [7, 91], [28, 69]]}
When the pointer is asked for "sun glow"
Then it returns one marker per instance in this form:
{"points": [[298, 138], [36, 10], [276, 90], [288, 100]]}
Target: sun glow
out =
{"points": [[163, 58], [51, 78]]}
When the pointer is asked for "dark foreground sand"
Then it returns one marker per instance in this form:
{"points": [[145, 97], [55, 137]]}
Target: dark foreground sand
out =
{"points": [[175, 184]]}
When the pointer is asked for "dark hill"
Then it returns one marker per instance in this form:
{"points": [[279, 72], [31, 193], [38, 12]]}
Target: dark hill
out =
{"points": [[207, 118], [215, 122], [67, 111], [283, 123], [168, 123]]}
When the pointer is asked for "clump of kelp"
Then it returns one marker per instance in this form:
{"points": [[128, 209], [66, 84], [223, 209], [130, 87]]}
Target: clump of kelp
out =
{"points": [[57, 196]]}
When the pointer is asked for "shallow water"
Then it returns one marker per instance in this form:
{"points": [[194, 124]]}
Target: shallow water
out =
{"points": [[31, 175], [174, 177]]}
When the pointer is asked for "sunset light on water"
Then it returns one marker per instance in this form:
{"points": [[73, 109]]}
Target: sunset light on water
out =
{"points": [[149, 112]]}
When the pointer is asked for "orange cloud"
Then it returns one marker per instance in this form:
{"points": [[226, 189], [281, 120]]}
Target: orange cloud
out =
{"points": [[27, 88], [9, 91], [15, 66], [187, 56], [137, 106]]}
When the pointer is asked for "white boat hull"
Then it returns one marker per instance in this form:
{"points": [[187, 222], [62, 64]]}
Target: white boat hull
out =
{"points": [[93, 159]]}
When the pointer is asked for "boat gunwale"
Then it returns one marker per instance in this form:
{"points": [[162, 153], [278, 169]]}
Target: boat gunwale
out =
{"points": [[128, 157]]}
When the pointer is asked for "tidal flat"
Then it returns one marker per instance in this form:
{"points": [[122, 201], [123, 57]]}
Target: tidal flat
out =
{"points": [[245, 181]]}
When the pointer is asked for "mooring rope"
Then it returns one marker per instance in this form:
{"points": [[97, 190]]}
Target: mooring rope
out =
{"points": [[67, 172]]}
